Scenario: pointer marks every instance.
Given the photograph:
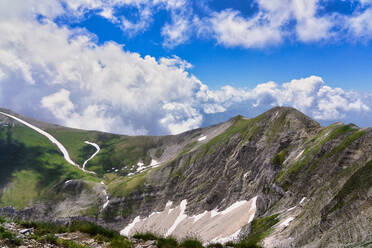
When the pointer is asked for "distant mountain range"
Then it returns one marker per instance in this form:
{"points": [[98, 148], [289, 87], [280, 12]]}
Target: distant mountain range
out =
{"points": [[279, 179]]}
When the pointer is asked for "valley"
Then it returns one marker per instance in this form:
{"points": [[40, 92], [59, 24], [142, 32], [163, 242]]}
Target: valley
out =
{"points": [[279, 176]]}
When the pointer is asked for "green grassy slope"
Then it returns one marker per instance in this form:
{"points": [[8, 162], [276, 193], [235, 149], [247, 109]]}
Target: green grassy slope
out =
{"points": [[30, 166], [117, 151]]}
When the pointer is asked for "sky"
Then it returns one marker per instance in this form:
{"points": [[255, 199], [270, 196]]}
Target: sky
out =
{"points": [[166, 66]]}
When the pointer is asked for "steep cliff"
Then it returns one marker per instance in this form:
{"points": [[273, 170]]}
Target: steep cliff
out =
{"points": [[279, 179]]}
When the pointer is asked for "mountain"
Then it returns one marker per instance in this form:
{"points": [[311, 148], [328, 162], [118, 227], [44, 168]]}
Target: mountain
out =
{"points": [[279, 179]]}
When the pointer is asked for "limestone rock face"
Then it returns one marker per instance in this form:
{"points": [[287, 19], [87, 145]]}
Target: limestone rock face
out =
{"points": [[314, 181]]}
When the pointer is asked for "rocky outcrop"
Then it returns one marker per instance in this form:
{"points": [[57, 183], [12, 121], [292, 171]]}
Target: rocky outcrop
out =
{"points": [[313, 181]]}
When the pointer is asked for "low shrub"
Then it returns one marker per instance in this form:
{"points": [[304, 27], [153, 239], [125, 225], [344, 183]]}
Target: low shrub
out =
{"points": [[146, 236], [48, 239], [168, 242], [69, 244], [216, 245], [191, 243], [44, 228], [92, 229], [10, 237], [120, 242]]}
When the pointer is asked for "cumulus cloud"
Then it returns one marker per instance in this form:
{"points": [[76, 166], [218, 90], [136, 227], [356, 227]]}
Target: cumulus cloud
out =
{"points": [[62, 74], [92, 86], [271, 23], [360, 24], [231, 29], [310, 95], [277, 20]]}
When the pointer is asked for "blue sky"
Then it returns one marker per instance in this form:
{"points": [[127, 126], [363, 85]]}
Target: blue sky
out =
{"points": [[342, 63], [166, 66]]}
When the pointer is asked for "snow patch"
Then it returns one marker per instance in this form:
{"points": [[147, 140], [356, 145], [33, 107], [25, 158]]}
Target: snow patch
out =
{"points": [[199, 216], [94, 154], [153, 213], [235, 235], [179, 224], [107, 199], [179, 219], [224, 240], [253, 208], [232, 207], [299, 155], [141, 167], [106, 203], [290, 209], [237, 204], [214, 212], [126, 230], [202, 138], [154, 163], [286, 222], [169, 203], [302, 200], [50, 137]]}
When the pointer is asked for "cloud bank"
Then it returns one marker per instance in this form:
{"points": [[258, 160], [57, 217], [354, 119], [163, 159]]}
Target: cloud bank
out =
{"points": [[62, 75], [270, 22]]}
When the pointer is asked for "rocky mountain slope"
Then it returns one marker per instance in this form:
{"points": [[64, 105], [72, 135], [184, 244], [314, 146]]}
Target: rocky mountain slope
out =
{"points": [[279, 179]]}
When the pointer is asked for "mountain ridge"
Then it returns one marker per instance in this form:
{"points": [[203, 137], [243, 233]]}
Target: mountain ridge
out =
{"points": [[299, 171]]}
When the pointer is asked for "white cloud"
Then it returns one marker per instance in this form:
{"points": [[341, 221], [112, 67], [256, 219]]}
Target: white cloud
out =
{"points": [[309, 95], [61, 71], [277, 20], [59, 104], [100, 87], [360, 25], [231, 29], [309, 26], [177, 32], [269, 25], [179, 29], [273, 22]]}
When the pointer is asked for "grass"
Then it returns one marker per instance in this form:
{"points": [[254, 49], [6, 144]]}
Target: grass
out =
{"points": [[190, 243], [276, 127], [360, 244], [69, 244], [159, 152], [146, 236], [188, 148], [313, 148], [123, 186], [215, 245], [31, 166], [73, 140], [92, 211], [46, 231], [341, 147], [245, 128], [2, 219], [280, 157], [92, 229], [260, 228], [117, 151], [10, 237], [168, 242], [360, 181], [22, 190]]}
